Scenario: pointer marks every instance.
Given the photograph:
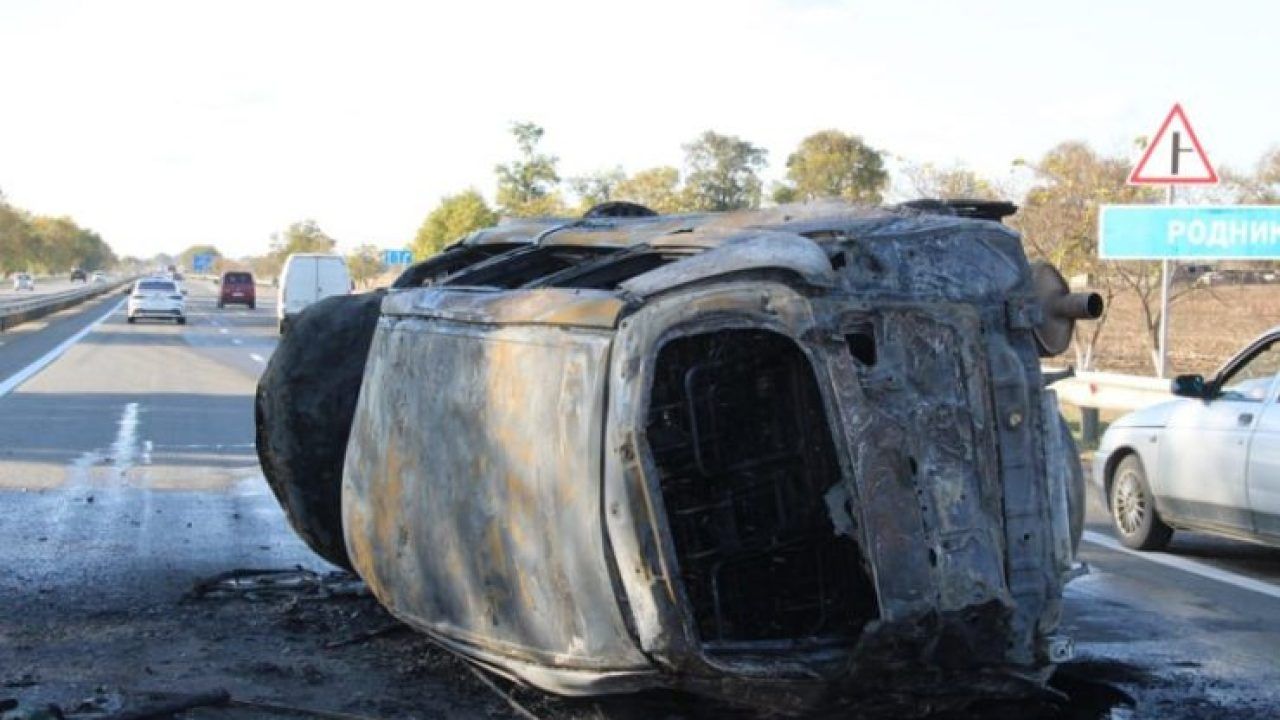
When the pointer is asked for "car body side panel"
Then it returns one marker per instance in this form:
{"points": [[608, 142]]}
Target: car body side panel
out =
{"points": [[1264, 472], [471, 492], [1200, 474]]}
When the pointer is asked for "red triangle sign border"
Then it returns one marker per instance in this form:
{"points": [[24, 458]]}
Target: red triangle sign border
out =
{"points": [[1136, 177]]}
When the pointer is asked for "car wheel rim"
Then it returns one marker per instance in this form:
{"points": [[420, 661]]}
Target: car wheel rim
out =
{"points": [[1129, 504]]}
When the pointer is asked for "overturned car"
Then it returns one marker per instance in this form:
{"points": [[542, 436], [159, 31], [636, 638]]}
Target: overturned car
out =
{"points": [[784, 457]]}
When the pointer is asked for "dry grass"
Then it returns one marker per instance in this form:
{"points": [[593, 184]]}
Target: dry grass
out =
{"points": [[1205, 328]]}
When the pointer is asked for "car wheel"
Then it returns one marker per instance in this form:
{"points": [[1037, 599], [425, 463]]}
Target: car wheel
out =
{"points": [[130, 319], [1133, 508], [252, 306], [219, 304], [182, 321]]}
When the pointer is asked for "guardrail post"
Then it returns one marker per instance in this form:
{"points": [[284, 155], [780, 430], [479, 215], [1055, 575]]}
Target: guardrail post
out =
{"points": [[1089, 426]]}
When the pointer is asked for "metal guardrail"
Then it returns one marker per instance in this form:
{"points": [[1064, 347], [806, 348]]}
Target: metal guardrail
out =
{"points": [[1112, 391], [1094, 391], [14, 312]]}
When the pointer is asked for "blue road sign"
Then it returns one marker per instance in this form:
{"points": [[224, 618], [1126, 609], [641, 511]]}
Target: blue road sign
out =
{"points": [[397, 257], [202, 262], [1181, 232]]}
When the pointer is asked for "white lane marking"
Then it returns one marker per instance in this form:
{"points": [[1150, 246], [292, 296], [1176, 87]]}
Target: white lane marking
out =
{"points": [[1190, 566], [222, 330], [258, 358], [125, 447], [25, 374], [237, 341]]}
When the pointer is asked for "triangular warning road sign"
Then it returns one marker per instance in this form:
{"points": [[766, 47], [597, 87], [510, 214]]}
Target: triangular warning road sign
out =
{"points": [[1174, 156]]}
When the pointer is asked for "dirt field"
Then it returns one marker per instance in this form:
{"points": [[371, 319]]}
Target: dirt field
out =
{"points": [[1206, 327]]}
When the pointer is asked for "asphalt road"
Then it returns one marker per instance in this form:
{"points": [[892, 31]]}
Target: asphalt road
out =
{"points": [[127, 473]]}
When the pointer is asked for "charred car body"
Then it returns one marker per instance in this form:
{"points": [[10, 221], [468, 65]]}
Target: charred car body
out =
{"points": [[780, 457]]}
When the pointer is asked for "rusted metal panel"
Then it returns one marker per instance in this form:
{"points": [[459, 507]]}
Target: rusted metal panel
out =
{"points": [[552, 306], [471, 492]]}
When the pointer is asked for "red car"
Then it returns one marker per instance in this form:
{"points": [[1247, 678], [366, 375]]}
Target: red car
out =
{"points": [[237, 287]]}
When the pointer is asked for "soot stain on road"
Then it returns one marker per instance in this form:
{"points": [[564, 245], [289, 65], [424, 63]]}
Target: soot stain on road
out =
{"points": [[304, 639]]}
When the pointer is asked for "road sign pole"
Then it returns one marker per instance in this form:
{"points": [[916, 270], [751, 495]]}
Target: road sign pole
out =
{"points": [[1162, 359]]}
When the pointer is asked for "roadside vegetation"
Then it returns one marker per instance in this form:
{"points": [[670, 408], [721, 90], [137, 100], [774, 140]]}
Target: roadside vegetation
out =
{"points": [[48, 245]]}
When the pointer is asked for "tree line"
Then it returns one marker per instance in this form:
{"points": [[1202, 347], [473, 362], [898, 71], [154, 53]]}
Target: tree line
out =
{"points": [[48, 245], [720, 172], [304, 236], [1058, 196]]}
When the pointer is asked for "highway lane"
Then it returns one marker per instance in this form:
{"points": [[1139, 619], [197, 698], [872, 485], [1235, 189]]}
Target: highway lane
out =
{"points": [[1204, 647], [127, 472], [127, 475]]}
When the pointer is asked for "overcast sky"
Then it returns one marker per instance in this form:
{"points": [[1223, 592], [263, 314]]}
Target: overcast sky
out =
{"points": [[163, 124]]}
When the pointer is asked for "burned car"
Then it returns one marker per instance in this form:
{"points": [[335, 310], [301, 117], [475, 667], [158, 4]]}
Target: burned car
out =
{"points": [[784, 457]]}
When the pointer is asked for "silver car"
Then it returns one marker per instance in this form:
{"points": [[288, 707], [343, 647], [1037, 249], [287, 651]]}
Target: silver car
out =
{"points": [[1208, 460]]}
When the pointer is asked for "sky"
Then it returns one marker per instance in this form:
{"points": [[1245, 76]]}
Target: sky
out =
{"points": [[165, 124]]}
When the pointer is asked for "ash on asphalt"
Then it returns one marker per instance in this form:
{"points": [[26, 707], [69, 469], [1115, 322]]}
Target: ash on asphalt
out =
{"points": [[317, 640]]}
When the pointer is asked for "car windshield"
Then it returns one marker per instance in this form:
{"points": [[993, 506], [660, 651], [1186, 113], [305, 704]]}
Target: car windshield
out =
{"points": [[157, 285], [238, 278]]}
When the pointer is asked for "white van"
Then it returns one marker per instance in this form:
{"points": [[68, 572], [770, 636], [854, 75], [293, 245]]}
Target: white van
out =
{"points": [[308, 278]]}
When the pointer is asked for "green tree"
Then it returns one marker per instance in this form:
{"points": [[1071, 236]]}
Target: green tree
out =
{"points": [[365, 264], [1260, 187], [527, 185], [19, 245], [595, 188], [64, 245], [302, 237], [656, 188], [455, 217], [833, 164], [722, 172], [948, 183]]}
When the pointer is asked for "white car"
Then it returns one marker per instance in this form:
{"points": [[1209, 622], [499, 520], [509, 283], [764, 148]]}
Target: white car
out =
{"points": [[308, 278], [23, 281], [157, 298], [1207, 461], [99, 277]]}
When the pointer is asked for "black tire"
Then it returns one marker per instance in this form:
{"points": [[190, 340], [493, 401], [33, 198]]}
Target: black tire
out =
{"points": [[130, 319], [220, 306], [1133, 508], [253, 306], [182, 321], [304, 408]]}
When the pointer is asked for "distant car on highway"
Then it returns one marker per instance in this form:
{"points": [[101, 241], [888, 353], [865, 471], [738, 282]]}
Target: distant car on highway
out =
{"points": [[78, 275], [237, 287], [1207, 461], [309, 278], [157, 298], [99, 277], [23, 281]]}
